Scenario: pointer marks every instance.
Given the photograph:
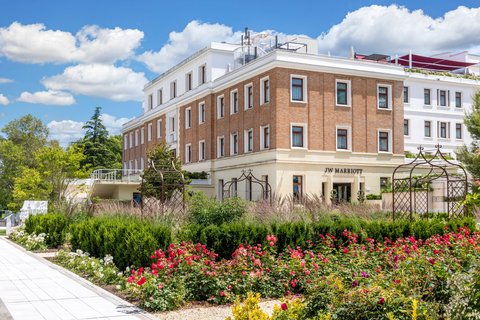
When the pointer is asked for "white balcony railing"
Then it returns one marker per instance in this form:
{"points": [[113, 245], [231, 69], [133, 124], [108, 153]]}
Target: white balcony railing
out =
{"points": [[172, 137], [117, 175]]}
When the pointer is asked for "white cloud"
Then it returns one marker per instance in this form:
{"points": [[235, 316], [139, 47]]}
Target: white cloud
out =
{"points": [[105, 81], [50, 97], [34, 43], [194, 37], [67, 131], [4, 100], [5, 80], [396, 29]]}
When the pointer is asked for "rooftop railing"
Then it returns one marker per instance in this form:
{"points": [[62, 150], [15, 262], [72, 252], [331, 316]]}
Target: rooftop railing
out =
{"points": [[117, 175]]}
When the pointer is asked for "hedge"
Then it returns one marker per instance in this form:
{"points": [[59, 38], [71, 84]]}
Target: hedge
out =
{"points": [[224, 239], [131, 241], [53, 224]]}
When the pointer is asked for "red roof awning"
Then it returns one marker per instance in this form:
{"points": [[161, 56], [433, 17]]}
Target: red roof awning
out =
{"points": [[431, 63]]}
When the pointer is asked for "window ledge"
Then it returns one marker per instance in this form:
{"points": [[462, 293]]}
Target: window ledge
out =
{"points": [[344, 150], [343, 105], [299, 101]]}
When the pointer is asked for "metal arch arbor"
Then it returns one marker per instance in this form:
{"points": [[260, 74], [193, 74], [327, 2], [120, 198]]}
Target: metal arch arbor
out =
{"points": [[410, 193], [168, 194], [248, 176]]}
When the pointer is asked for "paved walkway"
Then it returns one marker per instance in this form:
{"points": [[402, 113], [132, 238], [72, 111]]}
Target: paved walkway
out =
{"points": [[33, 288]]}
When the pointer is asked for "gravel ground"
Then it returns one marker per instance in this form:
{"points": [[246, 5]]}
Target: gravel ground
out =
{"points": [[209, 313]]}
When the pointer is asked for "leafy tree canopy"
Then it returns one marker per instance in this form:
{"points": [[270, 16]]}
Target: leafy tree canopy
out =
{"points": [[470, 155]]}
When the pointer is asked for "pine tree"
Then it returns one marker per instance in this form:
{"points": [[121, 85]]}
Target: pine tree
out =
{"points": [[470, 155]]}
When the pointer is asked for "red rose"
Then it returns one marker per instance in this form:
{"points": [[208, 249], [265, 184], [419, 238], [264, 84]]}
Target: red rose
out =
{"points": [[284, 306], [141, 281]]}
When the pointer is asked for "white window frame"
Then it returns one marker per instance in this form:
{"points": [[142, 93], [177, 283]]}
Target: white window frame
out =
{"points": [[188, 81], [136, 164], [125, 165], [188, 118], [142, 135], [439, 131], [423, 97], [461, 131], [202, 74], [232, 144], [219, 98], [245, 100], [349, 138], [149, 131], [173, 89], [125, 142], [409, 127], [232, 101], [130, 164], [150, 101], [431, 129], [200, 112], [137, 137], [246, 140], [219, 149], [408, 100], [305, 135], [390, 145], [262, 137], [142, 163], [188, 155], [202, 152], [389, 93], [447, 100], [131, 139], [349, 93], [262, 90], [304, 88], [461, 100], [160, 96], [159, 128]]}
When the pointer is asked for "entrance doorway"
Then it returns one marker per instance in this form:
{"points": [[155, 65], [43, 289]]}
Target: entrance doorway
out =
{"points": [[342, 192]]}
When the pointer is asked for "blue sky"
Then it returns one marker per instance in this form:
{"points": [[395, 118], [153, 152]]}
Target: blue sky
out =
{"points": [[60, 59]]}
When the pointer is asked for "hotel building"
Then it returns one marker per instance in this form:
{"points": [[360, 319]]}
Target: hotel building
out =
{"points": [[306, 123]]}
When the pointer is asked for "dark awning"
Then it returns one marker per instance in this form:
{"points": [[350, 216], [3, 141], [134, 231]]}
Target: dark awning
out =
{"points": [[432, 63]]}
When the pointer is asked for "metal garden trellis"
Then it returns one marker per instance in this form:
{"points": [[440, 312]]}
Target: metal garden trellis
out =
{"points": [[410, 192], [248, 176]]}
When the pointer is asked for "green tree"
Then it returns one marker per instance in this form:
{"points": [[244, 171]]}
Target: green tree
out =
{"points": [[100, 149], [470, 155], [29, 133], [55, 171], [11, 159], [162, 161]]}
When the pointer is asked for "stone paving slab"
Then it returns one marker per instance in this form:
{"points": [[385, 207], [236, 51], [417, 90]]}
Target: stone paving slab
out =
{"points": [[33, 288]]}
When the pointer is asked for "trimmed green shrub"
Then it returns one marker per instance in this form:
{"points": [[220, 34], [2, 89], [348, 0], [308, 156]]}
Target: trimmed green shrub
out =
{"points": [[53, 224], [205, 211], [131, 241]]}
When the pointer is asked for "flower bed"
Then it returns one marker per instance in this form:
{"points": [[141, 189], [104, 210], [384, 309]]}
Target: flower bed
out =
{"points": [[32, 242], [339, 277]]}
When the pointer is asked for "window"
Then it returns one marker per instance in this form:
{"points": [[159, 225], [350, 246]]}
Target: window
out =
{"points": [[384, 183], [159, 128], [143, 135], [202, 74], [201, 112], [131, 139], [188, 81], [443, 130], [249, 96], [220, 107], [188, 153], [428, 129], [297, 88], [265, 137], [220, 189], [442, 98], [130, 166], [201, 150], [142, 163], [234, 144], [248, 189], [220, 147], [188, 118], [406, 95], [248, 140], [458, 100], [149, 132], [233, 101], [458, 131], [173, 89], [342, 96], [384, 97], [125, 142], [264, 90], [383, 141], [159, 97], [136, 164], [406, 129], [343, 139], [137, 133], [297, 187], [150, 101], [298, 136], [427, 99], [125, 165], [234, 187]]}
